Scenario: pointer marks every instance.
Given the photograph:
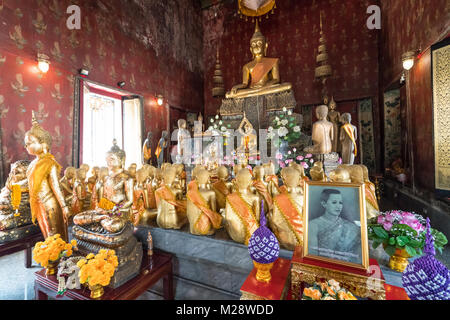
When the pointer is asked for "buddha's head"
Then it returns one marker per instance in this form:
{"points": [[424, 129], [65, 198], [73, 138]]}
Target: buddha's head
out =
{"points": [[346, 117], [243, 179], [248, 128], [258, 43], [85, 167], [340, 175], [149, 136], [37, 140], [70, 173], [81, 174], [322, 112], [132, 169], [102, 173], [202, 176], [356, 174], [223, 173], [169, 175], [158, 174], [18, 171], [298, 167], [181, 123], [196, 169], [332, 104], [179, 167], [94, 171], [141, 175], [165, 166], [115, 157], [290, 177], [258, 171], [164, 134], [317, 166]]}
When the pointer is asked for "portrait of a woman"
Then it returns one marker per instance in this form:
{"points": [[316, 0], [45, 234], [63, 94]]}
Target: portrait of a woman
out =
{"points": [[332, 234]]}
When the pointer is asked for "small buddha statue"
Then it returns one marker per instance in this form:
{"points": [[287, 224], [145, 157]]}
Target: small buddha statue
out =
{"points": [[261, 75], [340, 174], [97, 192], [165, 166], [183, 138], [113, 209], [301, 171], [261, 187], [147, 149], [322, 133], [271, 179], [131, 171], [248, 146], [334, 117], [317, 173], [85, 167], [347, 139], [148, 185], [140, 207], [242, 209], [286, 218], [79, 192], [157, 178], [47, 202], [357, 176], [92, 180], [66, 183], [371, 197], [163, 143], [201, 207], [9, 218], [222, 187], [171, 208], [180, 179]]}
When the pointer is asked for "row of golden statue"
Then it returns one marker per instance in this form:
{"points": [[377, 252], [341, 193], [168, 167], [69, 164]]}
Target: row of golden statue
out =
{"points": [[101, 205]]}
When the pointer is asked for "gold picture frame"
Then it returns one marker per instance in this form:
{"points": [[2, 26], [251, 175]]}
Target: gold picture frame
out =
{"points": [[354, 194]]}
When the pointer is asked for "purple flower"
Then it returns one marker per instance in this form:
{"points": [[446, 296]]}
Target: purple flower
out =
{"points": [[381, 219], [390, 217], [387, 226], [340, 161]]}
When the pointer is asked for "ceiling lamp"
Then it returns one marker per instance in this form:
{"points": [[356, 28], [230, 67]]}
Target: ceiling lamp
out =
{"points": [[408, 59], [255, 8], [43, 62], [159, 100]]}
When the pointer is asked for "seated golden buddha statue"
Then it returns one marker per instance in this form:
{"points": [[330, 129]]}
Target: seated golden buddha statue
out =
{"points": [[171, 208], [322, 133], [301, 170], [242, 209], [106, 222], [248, 146], [317, 173], [222, 187], [357, 176], [286, 218], [261, 75], [92, 180], [180, 179], [261, 188], [142, 212], [341, 174], [80, 195], [15, 213], [201, 207], [66, 183], [148, 185]]}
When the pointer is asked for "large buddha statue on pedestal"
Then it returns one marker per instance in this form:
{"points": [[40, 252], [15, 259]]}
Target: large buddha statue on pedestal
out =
{"points": [[261, 75]]}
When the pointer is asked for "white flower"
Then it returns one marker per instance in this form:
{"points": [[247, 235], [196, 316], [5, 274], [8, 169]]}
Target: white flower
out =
{"points": [[217, 116], [210, 128], [282, 131], [223, 129], [276, 118], [270, 135], [296, 129], [278, 123], [212, 120], [284, 109], [289, 112], [284, 122], [269, 129]]}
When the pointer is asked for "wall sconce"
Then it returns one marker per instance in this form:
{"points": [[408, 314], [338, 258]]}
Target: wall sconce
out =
{"points": [[84, 72], [159, 100], [43, 62], [408, 59], [121, 84]]}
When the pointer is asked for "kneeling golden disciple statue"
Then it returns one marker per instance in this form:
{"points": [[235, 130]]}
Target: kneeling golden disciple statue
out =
{"points": [[242, 209], [286, 218], [201, 207], [261, 75], [222, 187], [170, 205], [47, 202]]}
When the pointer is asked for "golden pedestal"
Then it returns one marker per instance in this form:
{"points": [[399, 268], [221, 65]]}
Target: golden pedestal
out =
{"points": [[360, 283]]}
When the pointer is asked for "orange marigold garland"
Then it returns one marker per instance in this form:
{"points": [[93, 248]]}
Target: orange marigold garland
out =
{"points": [[52, 249], [98, 269], [16, 197], [328, 290]]}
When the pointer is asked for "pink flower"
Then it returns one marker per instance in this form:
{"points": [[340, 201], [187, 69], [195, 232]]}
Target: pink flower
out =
{"points": [[417, 226], [300, 158], [295, 149], [309, 155], [390, 217], [340, 161], [304, 165], [282, 164], [287, 161], [381, 219], [279, 156], [387, 226]]}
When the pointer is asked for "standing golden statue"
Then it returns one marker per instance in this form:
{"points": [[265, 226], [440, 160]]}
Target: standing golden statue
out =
{"points": [[322, 133], [348, 139], [334, 117], [261, 75], [242, 209], [201, 207], [286, 218], [47, 202]]}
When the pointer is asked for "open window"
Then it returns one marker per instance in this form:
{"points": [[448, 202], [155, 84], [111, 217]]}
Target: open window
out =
{"points": [[103, 114]]}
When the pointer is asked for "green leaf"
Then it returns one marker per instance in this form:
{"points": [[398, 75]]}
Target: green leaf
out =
{"points": [[392, 241], [390, 250], [439, 249], [414, 243], [376, 244], [402, 240], [402, 230], [419, 251], [380, 232], [440, 239], [411, 251]]}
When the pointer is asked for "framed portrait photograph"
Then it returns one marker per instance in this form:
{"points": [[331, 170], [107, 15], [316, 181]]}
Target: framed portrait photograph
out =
{"points": [[334, 223]]}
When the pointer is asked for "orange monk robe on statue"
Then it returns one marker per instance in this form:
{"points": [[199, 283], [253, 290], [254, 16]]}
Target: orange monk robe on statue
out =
{"points": [[261, 69], [139, 204], [287, 221], [151, 200], [348, 129], [166, 194], [244, 213], [222, 191], [147, 152], [371, 199], [208, 219], [272, 183]]}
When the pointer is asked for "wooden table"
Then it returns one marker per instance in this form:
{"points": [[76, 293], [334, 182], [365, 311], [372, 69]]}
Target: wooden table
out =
{"points": [[152, 269], [26, 243]]}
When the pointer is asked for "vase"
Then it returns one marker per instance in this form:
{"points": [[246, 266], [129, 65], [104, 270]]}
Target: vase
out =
{"points": [[263, 271], [399, 260], [51, 267], [97, 291]]}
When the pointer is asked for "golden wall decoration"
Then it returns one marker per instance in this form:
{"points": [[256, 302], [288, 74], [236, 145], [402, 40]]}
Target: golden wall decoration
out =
{"points": [[441, 106]]}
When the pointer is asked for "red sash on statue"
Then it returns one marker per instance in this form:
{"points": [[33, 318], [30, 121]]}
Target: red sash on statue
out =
{"points": [[245, 212], [290, 213], [349, 131], [261, 69], [207, 217]]}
